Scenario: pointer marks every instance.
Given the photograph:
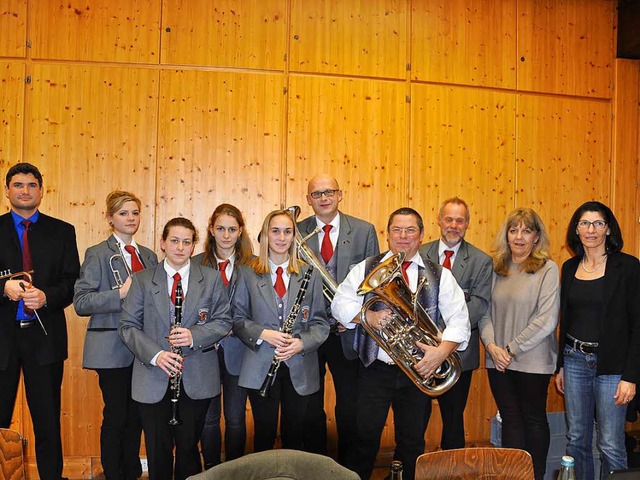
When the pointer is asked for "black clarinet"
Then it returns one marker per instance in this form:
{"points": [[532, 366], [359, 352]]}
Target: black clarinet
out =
{"points": [[287, 327], [176, 377]]}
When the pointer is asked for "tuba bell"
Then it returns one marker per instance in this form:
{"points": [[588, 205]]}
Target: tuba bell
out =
{"points": [[409, 323]]}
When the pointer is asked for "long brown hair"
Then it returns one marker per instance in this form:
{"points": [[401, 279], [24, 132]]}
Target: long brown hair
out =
{"points": [[260, 264], [243, 247]]}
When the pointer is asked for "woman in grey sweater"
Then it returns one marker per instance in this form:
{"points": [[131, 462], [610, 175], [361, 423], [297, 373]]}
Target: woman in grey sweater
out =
{"points": [[519, 332]]}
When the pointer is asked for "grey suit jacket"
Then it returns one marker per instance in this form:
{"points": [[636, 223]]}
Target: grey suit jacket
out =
{"points": [[357, 240], [145, 323], [254, 310], [93, 295], [233, 348], [473, 270]]}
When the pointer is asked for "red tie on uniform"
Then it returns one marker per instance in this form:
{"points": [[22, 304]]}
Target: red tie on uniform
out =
{"points": [[281, 290], [222, 266], [447, 259], [176, 281], [405, 265], [136, 264], [326, 250], [26, 255]]}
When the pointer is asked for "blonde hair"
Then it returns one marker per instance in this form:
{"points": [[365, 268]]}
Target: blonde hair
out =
{"points": [[117, 198], [502, 252], [260, 264]]}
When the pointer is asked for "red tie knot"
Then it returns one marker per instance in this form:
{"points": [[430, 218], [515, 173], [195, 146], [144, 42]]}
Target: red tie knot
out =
{"points": [[447, 259]]}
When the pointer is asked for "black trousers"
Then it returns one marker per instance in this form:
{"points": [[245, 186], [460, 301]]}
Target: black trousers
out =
{"points": [[452, 405], [161, 438], [381, 386], [42, 387], [292, 406], [522, 402], [121, 426], [345, 375]]}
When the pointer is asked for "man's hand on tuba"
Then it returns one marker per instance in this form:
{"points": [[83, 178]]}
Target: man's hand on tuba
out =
{"points": [[433, 357]]}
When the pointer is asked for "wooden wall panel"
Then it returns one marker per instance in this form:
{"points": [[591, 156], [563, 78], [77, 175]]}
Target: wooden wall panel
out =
{"points": [[13, 28], [356, 131], [346, 37], [463, 144], [11, 115], [220, 141], [228, 33], [626, 153], [464, 41], [566, 46], [90, 130], [96, 30], [564, 159]]}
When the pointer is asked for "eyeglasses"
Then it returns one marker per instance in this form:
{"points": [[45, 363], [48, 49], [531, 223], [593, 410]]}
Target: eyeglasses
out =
{"points": [[410, 231], [327, 193], [598, 224]]}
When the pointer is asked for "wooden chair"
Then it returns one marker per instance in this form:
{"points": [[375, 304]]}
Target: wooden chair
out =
{"points": [[11, 455], [474, 464]]}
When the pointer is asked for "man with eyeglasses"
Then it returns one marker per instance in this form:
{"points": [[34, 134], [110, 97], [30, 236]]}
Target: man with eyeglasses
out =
{"points": [[381, 383], [473, 269], [342, 242]]}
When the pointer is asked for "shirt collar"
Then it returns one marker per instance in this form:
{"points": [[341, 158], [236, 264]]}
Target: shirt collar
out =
{"points": [[184, 271], [417, 258], [17, 218], [273, 267], [443, 246], [122, 242], [335, 223]]}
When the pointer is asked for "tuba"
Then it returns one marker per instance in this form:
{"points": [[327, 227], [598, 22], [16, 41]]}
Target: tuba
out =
{"points": [[410, 323], [329, 285]]}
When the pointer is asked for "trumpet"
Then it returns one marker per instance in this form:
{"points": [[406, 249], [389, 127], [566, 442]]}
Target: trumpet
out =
{"points": [[115, 272], [7, 275]]}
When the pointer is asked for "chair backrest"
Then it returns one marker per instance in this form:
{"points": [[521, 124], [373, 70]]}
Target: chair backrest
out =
{"points": [[11, 455], [278, 464], [475, 463]]}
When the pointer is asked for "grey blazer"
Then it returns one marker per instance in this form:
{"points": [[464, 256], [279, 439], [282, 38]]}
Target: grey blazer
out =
{"points": [[357, 240], [94, 296], [254, 310], [473, 270], [233, 347], [145, 323]]}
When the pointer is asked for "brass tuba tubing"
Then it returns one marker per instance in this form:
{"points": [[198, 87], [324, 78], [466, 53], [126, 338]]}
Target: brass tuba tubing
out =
{"points": [[409, 323]]}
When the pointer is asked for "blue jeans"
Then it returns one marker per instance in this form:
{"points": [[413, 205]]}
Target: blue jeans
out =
{"points": [[586, 393], [234, 399]]}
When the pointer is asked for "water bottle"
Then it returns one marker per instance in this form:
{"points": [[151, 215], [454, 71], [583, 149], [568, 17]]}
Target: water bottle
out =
{"points": [[396, 470], [567, 470]]}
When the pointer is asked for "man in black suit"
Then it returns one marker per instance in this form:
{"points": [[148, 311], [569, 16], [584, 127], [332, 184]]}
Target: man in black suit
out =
{"points": [[33, 329], [473, 269], [349, 241]]}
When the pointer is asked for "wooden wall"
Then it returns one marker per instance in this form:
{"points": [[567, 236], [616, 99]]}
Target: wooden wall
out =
{"points": [[190, 103]]}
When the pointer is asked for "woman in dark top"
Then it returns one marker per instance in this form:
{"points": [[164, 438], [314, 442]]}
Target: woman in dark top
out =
{"points": [[227, 246], [599, 360]]}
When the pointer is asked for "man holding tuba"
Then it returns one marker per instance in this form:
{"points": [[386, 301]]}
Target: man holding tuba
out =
{"points": [[381, 383], [349, 241]]}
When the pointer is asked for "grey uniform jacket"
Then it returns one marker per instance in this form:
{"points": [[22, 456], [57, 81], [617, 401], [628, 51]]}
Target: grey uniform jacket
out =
{"points": [[473, 270], [357, 240], [233, 347], [145, 323], [94, 296], [254, 310]]}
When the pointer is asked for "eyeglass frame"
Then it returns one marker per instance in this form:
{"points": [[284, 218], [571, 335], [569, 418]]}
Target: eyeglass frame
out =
{"points": [[409, 231], [585, 224], [329, 193]]}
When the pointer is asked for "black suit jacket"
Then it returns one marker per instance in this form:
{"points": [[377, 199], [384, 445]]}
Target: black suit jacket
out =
{"points": [[54, 256], [619, 342]]}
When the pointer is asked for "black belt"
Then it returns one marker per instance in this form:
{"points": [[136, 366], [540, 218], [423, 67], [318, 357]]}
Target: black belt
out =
{"points": [[25, 323], [588, 348]]}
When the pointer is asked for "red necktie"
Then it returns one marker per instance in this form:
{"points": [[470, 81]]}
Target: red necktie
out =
{"points": [[176, 281], [222, 266], [447, 259], [326, 250], [26, 255], [136, 264], [281, 290], [405, 265]]}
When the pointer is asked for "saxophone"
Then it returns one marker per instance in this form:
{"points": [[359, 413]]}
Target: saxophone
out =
{"points": [[174, 384], [410, 323], [287, 327]]}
